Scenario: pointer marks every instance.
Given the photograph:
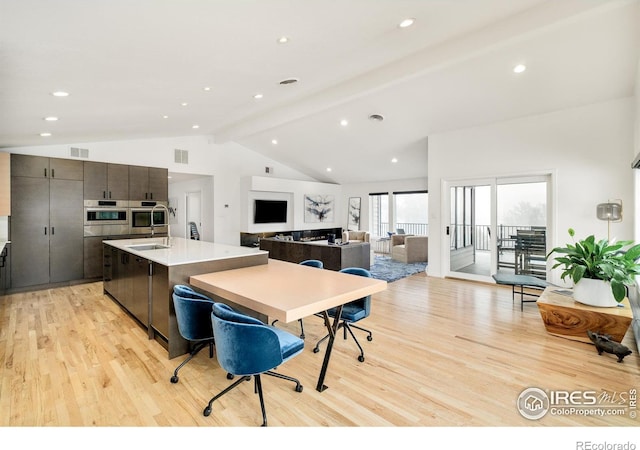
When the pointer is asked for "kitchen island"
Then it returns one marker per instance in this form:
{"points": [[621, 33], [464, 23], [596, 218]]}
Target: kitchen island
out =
{"points": [[140, 274]]}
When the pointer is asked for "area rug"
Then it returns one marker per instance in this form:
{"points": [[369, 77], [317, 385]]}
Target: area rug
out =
{"points": [[385, 268]]}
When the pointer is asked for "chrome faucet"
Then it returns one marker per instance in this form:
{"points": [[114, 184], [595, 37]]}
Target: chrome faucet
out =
{"points": [[161, 224]]}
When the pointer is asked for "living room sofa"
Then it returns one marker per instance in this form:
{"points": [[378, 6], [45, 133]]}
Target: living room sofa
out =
{"points": [[409, 249]]}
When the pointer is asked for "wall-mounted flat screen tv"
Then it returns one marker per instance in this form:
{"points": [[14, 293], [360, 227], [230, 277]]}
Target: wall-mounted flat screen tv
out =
{"points": [[270, 211]]}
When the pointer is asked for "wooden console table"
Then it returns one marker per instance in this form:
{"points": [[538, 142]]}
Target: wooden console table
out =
{"points": [[567, 318]]}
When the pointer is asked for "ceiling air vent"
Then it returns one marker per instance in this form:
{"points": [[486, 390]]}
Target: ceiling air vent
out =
{"points": [[182, 156], [76, 152], [289, 81], [376, 117], [268, 170]]}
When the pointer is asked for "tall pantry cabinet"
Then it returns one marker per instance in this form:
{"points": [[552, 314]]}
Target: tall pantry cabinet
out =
{"points": [[46, 221]]}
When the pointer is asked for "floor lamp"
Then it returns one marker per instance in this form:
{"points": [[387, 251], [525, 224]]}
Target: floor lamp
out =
{"points": [[611, 212]]}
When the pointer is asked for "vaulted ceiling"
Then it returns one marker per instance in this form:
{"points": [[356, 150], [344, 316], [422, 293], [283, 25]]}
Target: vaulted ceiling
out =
{"points": [[130, 65]]}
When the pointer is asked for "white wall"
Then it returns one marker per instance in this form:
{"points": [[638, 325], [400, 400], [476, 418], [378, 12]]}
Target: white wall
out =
{"points": [[588, 149], [293, 191], [227, 163]]}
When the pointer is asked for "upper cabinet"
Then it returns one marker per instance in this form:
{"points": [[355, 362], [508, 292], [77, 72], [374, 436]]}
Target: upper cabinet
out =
{"points": [[43, 167], [103, 181], [148, 183], [5, 184]]}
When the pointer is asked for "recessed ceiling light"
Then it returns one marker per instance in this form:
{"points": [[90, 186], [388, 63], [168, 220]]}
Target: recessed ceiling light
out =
{"points": [[283, 40], [519, 68], [183, 104], [288, 81], [328, 169], [394, 160], [258, 96], [274, 141], [45, 134], [60, 94], [165, 117], [206, 88], [376, 117], [407, 22], [344, 122], [195, 127], [50, 119]]}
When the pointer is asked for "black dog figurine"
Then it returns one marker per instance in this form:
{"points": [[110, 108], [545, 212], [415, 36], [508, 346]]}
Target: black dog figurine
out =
{"points": [[604, 343]]}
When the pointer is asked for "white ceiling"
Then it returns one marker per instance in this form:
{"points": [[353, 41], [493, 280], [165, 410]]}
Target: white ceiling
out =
{"points": [[126, 63]]}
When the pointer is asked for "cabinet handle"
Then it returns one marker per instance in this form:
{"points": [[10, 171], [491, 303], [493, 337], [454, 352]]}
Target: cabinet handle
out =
{"points": [[151, 195], [146, 196], [45, 231], [109, 194], [53, 231], [45, 172], [104, 194], [53, 173]]}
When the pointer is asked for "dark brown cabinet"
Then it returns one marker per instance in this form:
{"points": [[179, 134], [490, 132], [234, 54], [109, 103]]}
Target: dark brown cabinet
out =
{"points": [[148, 183], [46, 220], [127, 279], [104, 181]]}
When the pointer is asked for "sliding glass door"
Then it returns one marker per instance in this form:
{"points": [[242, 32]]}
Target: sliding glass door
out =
{"points": [[497, 224]]}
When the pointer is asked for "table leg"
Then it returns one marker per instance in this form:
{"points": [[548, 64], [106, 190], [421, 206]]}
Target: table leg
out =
{"points": [[332, 328]]}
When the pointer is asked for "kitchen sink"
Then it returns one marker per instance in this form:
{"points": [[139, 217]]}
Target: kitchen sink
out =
{"points": [[143, 247]]}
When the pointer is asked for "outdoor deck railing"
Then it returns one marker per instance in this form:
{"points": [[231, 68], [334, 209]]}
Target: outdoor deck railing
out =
{"points": [[482, 238]]}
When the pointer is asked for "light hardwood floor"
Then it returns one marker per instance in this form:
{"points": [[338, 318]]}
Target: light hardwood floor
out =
{"points": [[444, 353]]}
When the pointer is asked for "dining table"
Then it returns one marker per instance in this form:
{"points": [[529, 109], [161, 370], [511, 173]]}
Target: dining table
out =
{"points": [[287, 292]]}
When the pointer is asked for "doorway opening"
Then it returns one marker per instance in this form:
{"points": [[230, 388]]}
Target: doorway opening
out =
{"points": [[498, 225]]}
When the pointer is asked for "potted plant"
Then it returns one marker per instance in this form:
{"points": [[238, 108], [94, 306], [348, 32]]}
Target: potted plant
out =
{"points": [[600, 270]]}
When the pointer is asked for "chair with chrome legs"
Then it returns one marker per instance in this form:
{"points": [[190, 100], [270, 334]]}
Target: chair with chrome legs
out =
{"points": [[352, 312], [249, 348], [193, 314], [311, 263]]}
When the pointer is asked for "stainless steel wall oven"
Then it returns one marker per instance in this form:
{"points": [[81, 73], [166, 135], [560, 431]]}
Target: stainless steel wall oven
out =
{"points": [[106, 217], [141, 218]]}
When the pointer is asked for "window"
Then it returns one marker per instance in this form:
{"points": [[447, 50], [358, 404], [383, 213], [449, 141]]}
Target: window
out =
{"points": [[379, 214], [412, 212]]}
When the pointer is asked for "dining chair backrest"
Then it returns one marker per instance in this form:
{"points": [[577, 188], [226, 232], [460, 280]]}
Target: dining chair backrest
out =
{"points": [[244, 345], [364, 302], [193, 312], [312, 263]]}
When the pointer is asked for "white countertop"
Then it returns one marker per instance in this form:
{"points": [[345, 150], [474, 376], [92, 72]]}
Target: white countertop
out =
{"points": [[184, 251]]}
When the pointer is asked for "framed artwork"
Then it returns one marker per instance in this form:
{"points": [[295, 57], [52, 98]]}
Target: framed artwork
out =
{"points": [[353, 220], [318, 208]]}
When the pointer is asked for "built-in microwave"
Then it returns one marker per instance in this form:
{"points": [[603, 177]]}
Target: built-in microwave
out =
{"points": [[106, 217], [140, 220]]}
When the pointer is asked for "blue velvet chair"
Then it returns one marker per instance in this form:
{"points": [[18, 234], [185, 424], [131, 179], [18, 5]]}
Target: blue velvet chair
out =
{"points": [[352, 312], [311, 263], [193, 314], [247, 347]]}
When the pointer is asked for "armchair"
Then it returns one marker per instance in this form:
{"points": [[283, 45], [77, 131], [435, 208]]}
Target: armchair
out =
{"points": [[409, 249], [247, 347], [355, 236]]}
